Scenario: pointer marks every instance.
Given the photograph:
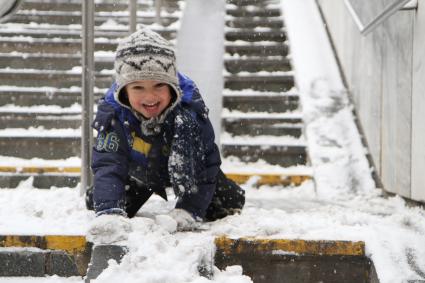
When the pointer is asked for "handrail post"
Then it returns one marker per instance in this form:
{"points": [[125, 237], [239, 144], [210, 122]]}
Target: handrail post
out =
{"points": [[158, 7], [87, 93], [133, 15], [388, 11]]}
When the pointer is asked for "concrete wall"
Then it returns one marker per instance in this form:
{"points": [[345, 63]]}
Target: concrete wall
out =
{"points": [[385, 72]]}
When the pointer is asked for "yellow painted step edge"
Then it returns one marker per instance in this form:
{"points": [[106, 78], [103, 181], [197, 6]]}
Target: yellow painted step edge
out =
{"points": [[240, 178], [269, 179], [302, 247], [39, 169], [70, 244]]}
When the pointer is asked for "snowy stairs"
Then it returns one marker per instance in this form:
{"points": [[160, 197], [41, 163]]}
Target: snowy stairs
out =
{"points": [[40, 82], [261, 111]]}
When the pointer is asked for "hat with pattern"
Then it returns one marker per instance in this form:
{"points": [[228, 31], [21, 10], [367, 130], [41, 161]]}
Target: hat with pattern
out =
{"points": [[145, 55]]}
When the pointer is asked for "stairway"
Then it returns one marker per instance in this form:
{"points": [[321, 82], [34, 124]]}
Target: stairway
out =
{"points": [[40, 82], [262, 122]]}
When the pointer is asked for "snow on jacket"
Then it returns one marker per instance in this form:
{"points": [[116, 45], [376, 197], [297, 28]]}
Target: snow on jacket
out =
{"points": [[183, 155]]}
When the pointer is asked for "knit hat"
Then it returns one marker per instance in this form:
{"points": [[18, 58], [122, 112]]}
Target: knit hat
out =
{"points": [[145, 55]]}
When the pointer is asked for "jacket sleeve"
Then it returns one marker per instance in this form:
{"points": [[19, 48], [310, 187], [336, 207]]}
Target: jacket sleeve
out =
{"points": [[205, 162], [110, 161]]}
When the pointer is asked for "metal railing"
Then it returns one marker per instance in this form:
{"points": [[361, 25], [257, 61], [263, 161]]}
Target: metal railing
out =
{"points": [[87, 93], [8, 8], [384, 15]]}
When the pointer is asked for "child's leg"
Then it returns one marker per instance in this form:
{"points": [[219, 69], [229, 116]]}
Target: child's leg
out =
{"points": [[135, 197], [228, 198]]}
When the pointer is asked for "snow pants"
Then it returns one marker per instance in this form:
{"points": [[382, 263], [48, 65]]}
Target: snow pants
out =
{"points": [[228, 198]]}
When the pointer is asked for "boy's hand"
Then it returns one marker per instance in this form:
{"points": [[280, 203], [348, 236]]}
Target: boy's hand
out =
{"points": [[185, 221], [108, 229]]}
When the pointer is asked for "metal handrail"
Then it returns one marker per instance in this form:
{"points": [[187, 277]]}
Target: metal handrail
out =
{"points": [[132, 7], [384, 15], [133, 15], [8, 8], [87, 93]]}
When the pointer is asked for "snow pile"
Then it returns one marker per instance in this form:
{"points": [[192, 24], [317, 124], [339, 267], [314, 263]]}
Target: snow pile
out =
{"points": [[394, 233], [57, 211]]}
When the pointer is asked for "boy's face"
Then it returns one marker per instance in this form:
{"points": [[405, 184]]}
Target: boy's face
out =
{"points": [[149, 98]]}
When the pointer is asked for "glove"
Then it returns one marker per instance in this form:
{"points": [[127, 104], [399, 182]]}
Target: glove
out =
{"points": [[185, 221], [109, 228]]}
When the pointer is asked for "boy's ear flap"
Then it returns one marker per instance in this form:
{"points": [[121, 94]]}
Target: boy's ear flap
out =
{"points": [[173, 94]]}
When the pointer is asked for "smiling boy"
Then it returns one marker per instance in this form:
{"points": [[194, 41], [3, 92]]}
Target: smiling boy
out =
{"points": [[154, 132]]}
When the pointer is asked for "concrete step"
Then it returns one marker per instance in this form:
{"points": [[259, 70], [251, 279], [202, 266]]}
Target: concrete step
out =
{"points": [[69, 176], [261, 102], [23, 96], [253, 35], [277, 49], [274, 23], [45, 120], [39, 256], [52, 61], [75, 5], [277, 83], [32, 262], [275, 154], [55, 145], [254, 127], [50, 78], [51, 45], [40, 180], [264, 127], [250, 13], [250, 2], [296, 261], [74, 18], [66, 33], [253, 65]]}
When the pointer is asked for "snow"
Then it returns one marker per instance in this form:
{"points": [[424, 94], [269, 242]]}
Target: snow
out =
{"points": [[392, 231], [234, 165], [264, 141], [235, 115], [341, 204], [270, 212]]}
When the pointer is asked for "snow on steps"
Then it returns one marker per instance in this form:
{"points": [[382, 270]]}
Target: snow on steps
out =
{"points": [[295, 261], [259, 48], [52, 96], [298, 260], [260, 118], [74, 18], [75, 5], [51, 78], [58, 32], [66, 172], [235, 65], [274, 23], [55, 61]]}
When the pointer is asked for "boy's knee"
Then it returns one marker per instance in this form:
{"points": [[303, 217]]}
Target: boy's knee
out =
{"points": [[228, 199]]}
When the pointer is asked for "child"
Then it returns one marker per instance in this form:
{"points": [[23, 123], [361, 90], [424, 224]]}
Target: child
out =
{"points": [[154, 132]]}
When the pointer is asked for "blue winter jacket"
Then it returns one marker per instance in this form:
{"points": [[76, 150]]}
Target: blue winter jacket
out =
{"points": [[183, 155]]}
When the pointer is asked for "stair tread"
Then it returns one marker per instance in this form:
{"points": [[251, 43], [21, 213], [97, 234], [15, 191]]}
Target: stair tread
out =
{"points": [[235, 165], [54, 28], [279, 141], [12, 133], [234, 114]]}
